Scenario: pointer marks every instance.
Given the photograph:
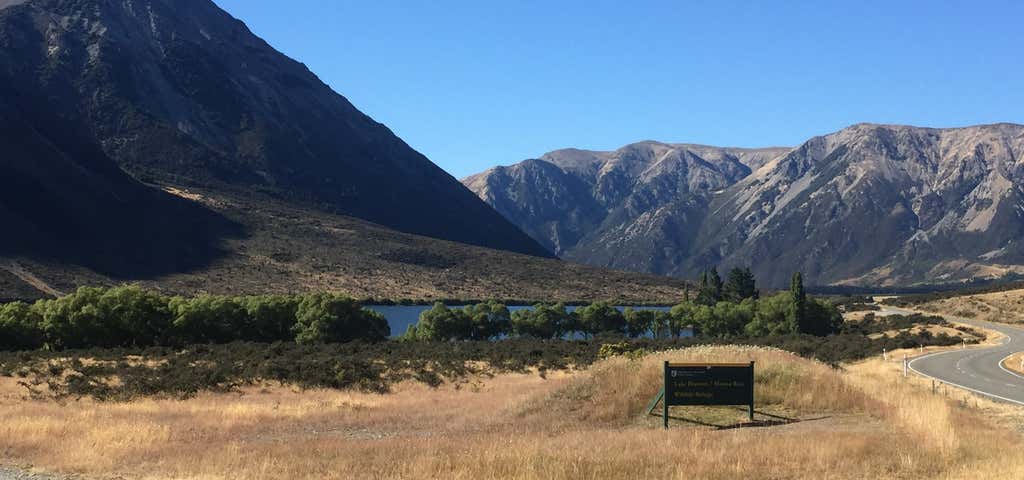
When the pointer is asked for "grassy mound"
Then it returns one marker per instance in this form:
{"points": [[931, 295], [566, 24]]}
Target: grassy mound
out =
{"points": [[616, 391]]}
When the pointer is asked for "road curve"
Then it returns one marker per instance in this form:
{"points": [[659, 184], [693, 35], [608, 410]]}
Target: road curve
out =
{"points": [[976, 369]]}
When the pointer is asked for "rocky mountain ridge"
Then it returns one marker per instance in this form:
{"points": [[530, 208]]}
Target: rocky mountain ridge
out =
{"points": [[868, 205]]}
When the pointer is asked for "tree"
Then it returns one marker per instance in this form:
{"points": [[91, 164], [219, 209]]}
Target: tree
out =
{"points": [[600, 317], [639, 322], [75, 321], [20, 327], [710, 290], [661, 325], [773, 316], [680, 318], [822, 318], [271, 318], [740, 285], [487, 320], [206, 319], [799, 312], [543, 321], [135, 316], [441, 324], [327, 318]]}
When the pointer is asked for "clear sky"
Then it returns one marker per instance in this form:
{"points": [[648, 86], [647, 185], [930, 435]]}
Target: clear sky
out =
{"points": [[478, 83]]}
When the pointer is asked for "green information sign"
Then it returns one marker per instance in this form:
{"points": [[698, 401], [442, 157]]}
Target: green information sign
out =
{"points": [[707, 384]]}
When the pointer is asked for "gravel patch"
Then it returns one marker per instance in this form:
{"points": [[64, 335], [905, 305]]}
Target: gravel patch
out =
{"points": [[11, 473]]}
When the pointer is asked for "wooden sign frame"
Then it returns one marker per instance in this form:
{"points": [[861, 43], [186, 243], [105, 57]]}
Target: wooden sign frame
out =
{"points": [[706, 384]]}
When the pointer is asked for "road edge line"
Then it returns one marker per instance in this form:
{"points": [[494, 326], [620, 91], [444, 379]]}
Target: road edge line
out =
{"points": [[979, 392], [1007, 370]]}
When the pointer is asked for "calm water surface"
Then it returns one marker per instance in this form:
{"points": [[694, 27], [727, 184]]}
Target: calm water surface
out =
{"points": [[401, 316]]}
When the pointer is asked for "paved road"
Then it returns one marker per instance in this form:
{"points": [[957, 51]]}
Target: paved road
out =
{"points": [[976, 369]]}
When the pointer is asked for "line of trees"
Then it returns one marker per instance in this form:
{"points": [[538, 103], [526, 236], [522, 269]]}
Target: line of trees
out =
{"points": [[720, 309], [129, 316]]}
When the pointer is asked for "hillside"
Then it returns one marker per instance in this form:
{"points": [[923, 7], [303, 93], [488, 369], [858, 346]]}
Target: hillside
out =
{"points": [[1001, 306], [868, 205], [289, 248], [181, 93]]}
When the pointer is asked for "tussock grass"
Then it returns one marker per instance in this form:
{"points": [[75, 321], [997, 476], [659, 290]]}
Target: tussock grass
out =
{"points": [[616, 390], [865, 421]]}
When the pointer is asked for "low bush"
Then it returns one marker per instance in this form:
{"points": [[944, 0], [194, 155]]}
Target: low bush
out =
{"points": [[125, 373]]}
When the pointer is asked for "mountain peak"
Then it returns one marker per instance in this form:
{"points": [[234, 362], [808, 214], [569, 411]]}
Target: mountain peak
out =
{"points": [[868, 204]]}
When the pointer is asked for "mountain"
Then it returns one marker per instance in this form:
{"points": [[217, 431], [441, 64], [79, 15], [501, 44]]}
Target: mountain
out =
{"points": [[868, 205], [178, 92], [636, 208], [291, 248]]}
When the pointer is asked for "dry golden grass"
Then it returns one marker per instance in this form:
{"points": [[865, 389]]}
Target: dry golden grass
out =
{"points": [[865, 422], [1015, 362], [1005, 307]]}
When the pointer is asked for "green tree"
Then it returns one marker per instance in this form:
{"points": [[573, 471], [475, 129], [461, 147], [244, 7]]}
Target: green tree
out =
{"points": [[20, 327], [773, 316], [639, 322], [543, 321], [136, 316], [710, 290], [740, 285], [681, 317], [661, 325], [799, 311], [271, 318], [206, 319], [327, 318], [822, 318], [601, 317], [488, 320], [75, 321]]}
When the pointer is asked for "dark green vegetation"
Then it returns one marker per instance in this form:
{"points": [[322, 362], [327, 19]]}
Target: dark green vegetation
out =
{"points": [[130, 316], [720, 310], [180, 373], [119, 343]]}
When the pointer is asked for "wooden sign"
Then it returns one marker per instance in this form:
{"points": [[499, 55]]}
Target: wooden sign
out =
{"points": [[707, 384]]}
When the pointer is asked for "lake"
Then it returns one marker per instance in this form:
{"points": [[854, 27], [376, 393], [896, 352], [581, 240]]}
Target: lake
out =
{"points": [[401, 316]]}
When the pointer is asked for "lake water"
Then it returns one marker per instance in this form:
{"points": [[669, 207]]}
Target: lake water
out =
{"points": [[401, 316]]}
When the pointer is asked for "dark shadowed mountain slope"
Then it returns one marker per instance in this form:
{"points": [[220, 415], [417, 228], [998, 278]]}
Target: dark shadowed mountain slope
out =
{"points": [[63, 200], [868, 205], [179, 92]]}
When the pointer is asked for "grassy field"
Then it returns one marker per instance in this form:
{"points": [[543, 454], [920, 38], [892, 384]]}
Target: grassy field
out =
{"points": [[813, 421]]}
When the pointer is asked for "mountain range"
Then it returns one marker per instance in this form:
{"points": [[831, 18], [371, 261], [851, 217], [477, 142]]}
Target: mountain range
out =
{"points": [[868, 205]]}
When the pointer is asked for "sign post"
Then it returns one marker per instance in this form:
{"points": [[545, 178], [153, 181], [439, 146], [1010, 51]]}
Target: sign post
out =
{"points": [[707, 384]]}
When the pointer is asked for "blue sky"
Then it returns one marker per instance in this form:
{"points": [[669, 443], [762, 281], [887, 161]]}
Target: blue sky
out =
{"points": [[473, 84]]}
